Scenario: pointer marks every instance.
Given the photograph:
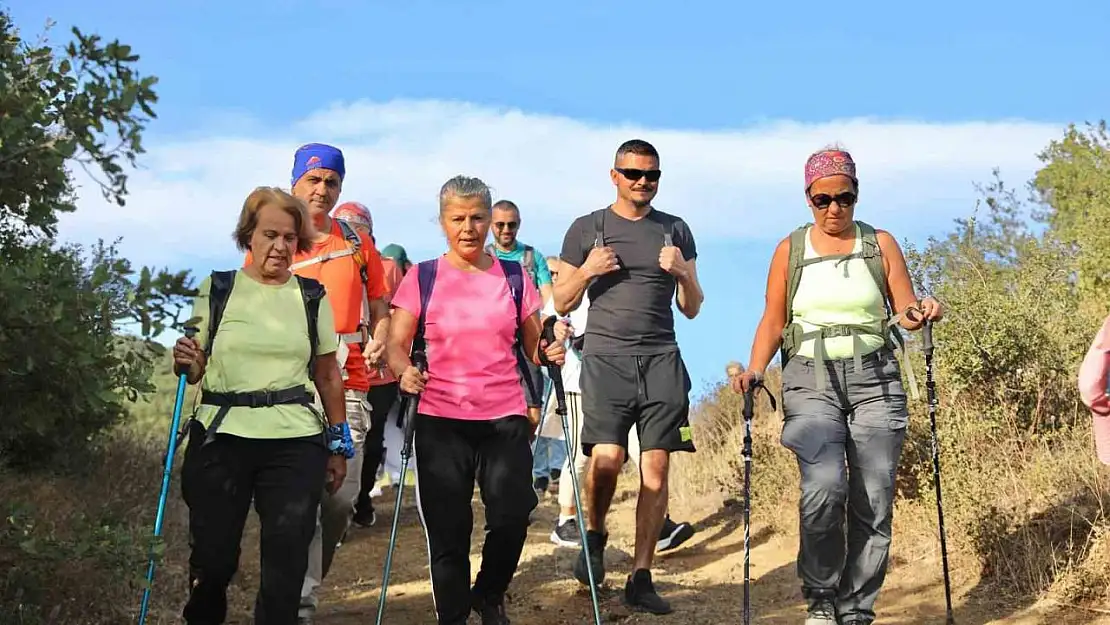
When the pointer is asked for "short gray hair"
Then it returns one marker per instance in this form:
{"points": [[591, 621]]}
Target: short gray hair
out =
{"points": [[465, 187]]}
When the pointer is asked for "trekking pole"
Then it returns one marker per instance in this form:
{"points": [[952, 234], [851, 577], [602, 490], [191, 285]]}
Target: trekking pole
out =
{"points": [[408, 430], [749, 414], [555, 373], [931, 393], [167, 471]]}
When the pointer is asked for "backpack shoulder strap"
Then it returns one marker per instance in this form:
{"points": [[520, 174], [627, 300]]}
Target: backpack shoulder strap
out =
{"points": [[514, 275], [599, 226], [668, 233], [529, 260], [872, 256], [219, 292], [797, 252], [426, 278], [312, 292], [350, 234]]}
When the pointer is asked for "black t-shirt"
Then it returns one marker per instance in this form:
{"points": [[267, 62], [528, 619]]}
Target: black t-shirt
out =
{"points": [[630, 309]]}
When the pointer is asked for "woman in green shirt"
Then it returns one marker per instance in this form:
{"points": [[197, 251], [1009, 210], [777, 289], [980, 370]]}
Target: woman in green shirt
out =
{"points": [[256, 435]]}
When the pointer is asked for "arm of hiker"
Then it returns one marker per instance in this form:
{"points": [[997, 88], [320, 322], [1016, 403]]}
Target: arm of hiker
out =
{"points": [[325, 369], [543, 277], [1093, 372], [680, 260], [188, 353], [531, 330], [768, 335], [900, 286], [376, 291], [581, 264], [402, 330]]}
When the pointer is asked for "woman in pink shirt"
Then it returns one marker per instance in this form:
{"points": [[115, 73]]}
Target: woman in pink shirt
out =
{"points": [[471, 422]]}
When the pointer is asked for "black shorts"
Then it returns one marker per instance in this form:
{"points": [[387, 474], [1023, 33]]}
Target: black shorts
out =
{"points": [[649, 392], [531, 379]]}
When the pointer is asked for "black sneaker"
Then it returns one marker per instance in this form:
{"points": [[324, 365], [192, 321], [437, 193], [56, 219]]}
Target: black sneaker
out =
{"points": [[365, 515], [566, 534], [673, 534], [595, 541], [639, 593], [540, 486], [491, 609]]}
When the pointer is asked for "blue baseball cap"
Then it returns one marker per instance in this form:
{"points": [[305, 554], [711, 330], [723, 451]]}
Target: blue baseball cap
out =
{"points": [[317, 156]]}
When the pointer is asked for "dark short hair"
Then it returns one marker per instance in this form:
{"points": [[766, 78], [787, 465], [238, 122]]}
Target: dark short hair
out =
{"points": [[636, 146], [262, 196], [506, 205]]}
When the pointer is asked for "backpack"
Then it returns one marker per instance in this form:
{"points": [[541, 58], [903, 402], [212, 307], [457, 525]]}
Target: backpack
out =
{"points": [[222, 283], [792, 335], [354, 247], [514, 275], [528, 262]]}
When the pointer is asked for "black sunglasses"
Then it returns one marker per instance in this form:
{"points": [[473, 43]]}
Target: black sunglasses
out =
{"points": [[652, 175], [823, 200], [506, 225]]}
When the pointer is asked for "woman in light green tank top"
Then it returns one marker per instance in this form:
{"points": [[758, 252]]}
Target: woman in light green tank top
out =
{"points": [[836, 289]]}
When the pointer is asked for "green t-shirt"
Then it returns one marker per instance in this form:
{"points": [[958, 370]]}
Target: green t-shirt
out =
{"points": [[262, 345]]}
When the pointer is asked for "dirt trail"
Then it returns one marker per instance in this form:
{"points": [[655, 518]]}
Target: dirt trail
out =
{"points": [[703, 579]]}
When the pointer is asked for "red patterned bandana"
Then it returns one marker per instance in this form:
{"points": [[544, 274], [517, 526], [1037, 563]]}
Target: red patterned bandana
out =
{"points": [[829, 163]]}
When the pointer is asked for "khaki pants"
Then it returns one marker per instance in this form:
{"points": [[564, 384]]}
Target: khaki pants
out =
{"points": [[335, 511]]}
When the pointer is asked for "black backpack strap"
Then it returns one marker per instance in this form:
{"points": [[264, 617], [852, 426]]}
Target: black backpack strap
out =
{"points": [[599, 226], [219, 292], [311, 293], [426, 278]]}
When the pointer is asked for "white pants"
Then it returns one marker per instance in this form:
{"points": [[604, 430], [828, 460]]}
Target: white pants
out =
{"points": [[335, 511], [575, 456]]}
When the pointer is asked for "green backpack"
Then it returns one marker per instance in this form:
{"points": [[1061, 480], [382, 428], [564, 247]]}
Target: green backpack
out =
{"points": [[792, 334]]}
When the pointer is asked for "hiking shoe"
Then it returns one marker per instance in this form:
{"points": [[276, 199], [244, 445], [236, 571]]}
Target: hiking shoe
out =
{"points": [[821, 612], [554, 487], [365, 516], [566, 534], [595, 541], [491, 609], [639, 593], [540, 485], [673, 534]]}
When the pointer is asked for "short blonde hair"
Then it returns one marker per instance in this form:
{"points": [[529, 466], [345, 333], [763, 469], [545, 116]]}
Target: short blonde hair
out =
{"points": [[273, 196]]}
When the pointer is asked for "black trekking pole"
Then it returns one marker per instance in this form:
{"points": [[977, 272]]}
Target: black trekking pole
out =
{"points": [[408, 430], [931, 391], [167, 471], [555, 373], [749, 414]]}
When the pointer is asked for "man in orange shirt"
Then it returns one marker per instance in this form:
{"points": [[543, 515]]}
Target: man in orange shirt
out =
{"points": [[350, 268], [384, 391]]}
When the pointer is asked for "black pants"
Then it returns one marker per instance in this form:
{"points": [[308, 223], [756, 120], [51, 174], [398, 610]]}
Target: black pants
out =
{"points": [[285, 477], [381, 400], [450, 455]]}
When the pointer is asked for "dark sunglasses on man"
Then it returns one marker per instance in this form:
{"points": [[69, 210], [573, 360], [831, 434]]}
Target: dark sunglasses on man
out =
{"points": [[506, 225], [652, 175]]}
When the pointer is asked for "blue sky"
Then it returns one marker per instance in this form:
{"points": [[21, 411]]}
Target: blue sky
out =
{"points": [[534, 100]]}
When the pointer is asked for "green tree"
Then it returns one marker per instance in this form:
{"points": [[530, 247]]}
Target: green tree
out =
{"points": [[66, 369], [1074, 188]]}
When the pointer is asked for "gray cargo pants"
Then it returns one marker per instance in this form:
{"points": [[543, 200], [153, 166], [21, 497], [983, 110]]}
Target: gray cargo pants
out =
{"points": [[848, 441]]}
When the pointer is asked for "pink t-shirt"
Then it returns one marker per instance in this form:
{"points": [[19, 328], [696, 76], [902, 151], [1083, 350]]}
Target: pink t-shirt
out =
{"points": [[469, 331]]}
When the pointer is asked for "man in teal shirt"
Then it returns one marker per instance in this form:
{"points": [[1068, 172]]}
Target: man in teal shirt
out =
{"points": [[506, 225]]}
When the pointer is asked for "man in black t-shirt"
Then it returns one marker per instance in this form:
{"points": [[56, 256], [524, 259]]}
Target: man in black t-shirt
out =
{"points": [[634, 260]]}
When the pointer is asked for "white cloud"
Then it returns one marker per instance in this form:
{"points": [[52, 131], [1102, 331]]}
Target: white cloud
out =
{"points": [[729, 184]]}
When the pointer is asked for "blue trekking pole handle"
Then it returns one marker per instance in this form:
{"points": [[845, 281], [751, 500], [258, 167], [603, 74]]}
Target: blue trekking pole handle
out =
{"points": [[167, 472]]}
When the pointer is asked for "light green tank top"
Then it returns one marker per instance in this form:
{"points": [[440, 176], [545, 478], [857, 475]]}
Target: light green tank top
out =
{"points": [[837, 293]]}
